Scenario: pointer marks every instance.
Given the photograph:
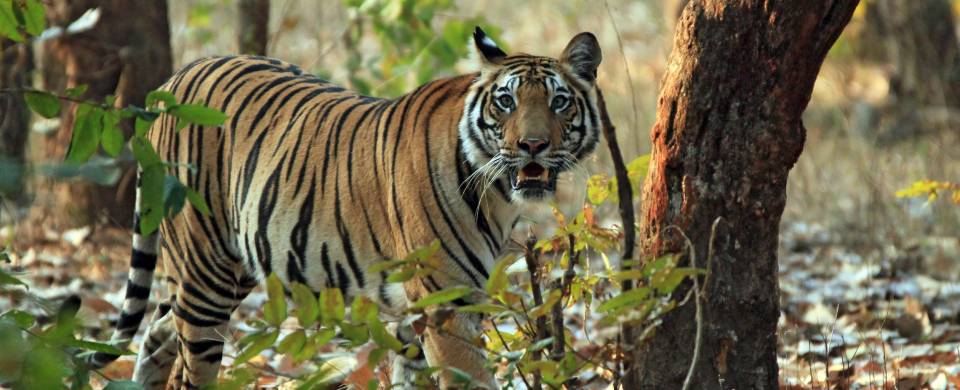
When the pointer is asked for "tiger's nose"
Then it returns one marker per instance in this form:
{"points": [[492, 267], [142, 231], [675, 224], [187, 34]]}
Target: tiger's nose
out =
{"points": [[533, 145]]}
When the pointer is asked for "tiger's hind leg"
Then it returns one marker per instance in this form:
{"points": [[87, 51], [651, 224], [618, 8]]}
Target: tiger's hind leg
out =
{"points": [[209, 289], [201, 316], [159, 350]]}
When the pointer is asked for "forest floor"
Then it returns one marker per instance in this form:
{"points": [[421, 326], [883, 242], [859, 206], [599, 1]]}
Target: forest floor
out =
{"points": [[853, 315]]}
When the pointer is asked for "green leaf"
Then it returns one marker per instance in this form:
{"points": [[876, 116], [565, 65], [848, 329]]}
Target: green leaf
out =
{"points": [[412, 351], [197, 114], [43, 103], [33, 17], [383, 338], [631, 274], [486, 308], [637, 171], [8, 22], [307, 308], [141, 126], [402, 275], [460, 376], [292, 343], [498, 278], [363, 310], [143, 151], [87, 126], [357, 334], [541, 344], [598, 189], [174, 196], [123, 385], [21, 318], [629, 298], [275, 310], [111, 139], [197, 201], [168, 99], [676, 276], [331, 306], [547, 305], [96, 347], [442, 296], [258, 343], [76, 92], [376, 356], [151, 197], [324, 336], [424, 252], [6, 279]]}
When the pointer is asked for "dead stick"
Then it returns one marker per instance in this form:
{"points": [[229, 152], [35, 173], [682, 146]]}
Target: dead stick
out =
{"points": [[533, 265]]}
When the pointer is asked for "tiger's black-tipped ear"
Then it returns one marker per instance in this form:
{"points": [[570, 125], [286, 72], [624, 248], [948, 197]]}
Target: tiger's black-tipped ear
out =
{"points": [[584, 56], [487, 50]]}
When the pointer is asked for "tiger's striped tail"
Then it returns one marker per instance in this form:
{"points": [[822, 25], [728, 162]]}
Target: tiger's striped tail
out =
{"points": [[143, 260]]}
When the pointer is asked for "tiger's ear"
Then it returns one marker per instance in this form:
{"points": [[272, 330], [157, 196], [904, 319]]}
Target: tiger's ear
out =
{"points": [[485, 50], [583, 56]]}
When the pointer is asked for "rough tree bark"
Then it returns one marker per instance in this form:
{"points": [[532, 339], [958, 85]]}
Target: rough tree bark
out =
{"points": [[253, 28], [728, 130], [126, 55], [16, 65]]}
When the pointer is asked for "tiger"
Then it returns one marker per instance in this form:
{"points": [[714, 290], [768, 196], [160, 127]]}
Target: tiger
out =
{"points": [[317, 184]]}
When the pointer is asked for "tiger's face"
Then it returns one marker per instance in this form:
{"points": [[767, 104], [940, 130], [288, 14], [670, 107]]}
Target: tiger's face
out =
{"points": [[529, 118]]}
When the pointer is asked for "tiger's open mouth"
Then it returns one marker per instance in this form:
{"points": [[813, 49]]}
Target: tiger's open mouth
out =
{"points": [[533, 180]]}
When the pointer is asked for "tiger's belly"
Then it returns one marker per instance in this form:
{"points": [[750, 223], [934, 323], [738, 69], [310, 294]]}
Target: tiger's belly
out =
{"points": [[320, 255]]}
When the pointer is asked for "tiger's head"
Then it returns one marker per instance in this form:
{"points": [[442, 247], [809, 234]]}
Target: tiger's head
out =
{"points": [[528, 118]]}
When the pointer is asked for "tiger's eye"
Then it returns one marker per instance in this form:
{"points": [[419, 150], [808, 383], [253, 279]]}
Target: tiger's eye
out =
{"points": [[559, 103], [505, 102]]}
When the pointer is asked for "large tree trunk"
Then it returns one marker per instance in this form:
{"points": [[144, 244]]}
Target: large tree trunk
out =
{"points": [[126, 55], [253, 28], [728, 131], [16, 65]]}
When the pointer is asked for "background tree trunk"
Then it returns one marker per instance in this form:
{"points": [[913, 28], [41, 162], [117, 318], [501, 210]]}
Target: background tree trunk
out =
{"points": [[728, 130], [126, 55], [16, 66], [253, 29], [918, 41]]}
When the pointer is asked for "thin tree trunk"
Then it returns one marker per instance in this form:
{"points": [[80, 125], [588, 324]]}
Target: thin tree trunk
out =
{"points": [[728, 131], [126, 55], [253, 29], [16, 66]]}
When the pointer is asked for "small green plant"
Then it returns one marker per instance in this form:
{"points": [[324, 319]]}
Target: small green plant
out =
{"points": [[416, 46], [45, 353]]}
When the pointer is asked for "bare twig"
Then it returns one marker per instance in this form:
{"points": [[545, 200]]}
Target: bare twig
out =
{"points": [[626, 65], [625, 193], [533, 265], [563, 285], [58, 96], [696, 290]]}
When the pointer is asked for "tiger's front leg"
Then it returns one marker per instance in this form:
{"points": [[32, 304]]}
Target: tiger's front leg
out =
{"points": [[453, 341], [454, 344]]}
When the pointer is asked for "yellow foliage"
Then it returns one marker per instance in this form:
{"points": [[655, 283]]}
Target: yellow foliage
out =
{"points": [[930, 189]]}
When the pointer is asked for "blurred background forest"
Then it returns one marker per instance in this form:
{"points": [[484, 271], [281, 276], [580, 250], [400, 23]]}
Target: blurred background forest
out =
{"points": [[869, 280]]}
